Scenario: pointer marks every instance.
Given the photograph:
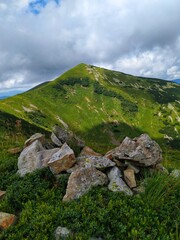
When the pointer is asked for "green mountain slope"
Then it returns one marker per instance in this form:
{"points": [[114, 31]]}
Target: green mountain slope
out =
{"points": [[103, 106]]}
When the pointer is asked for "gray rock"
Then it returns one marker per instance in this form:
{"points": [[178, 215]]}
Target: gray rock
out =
{"points": [[81, 181], [141, 151], [116, 182], [62, 159], [175, 173], [33, 138], [61, 134], [62, 233], [28, 160], [56, 140]]}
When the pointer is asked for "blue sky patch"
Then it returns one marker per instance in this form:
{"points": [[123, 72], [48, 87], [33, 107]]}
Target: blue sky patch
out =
{"points": [[37, 5]]}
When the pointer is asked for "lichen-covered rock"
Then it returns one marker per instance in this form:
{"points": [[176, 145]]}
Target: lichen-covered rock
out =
{"points": [[33, 138], [62, 159], [116, 182], [6, 220], [28, 160], [141, 151], [62, 233], [61, 133], [81, 181], [129, 177]]}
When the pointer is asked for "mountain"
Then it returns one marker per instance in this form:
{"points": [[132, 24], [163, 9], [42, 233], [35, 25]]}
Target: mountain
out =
{"points": [[103, 106], [177, 81]]}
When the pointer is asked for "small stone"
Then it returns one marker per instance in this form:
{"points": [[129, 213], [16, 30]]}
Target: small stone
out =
{"points": [[14, 150], [175, 173], [6, 220], [131, 166], [56, 140], [129, 177], [159, 167], [33, 138], [62, 233]]}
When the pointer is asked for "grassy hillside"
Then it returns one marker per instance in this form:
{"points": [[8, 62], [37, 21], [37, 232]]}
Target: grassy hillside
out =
{"points": [[103, 106]]}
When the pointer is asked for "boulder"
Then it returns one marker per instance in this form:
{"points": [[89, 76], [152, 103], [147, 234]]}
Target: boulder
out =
{"points": [[141, 151], [28, 160], [175, 173], [81, 181], [37, 136], [116, 182], [44, 156], [56, 140], [129, 177], [87, 151], [62, 159], [62, 233], [6, 220], [2, 194]]}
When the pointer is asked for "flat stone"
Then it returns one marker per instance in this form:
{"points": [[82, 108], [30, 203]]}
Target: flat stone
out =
{"points": [[62, 159], [129, 177], [81, 181], [6, 220]]}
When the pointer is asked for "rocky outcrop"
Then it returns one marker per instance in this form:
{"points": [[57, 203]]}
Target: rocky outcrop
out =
{"points": [[62, 159], [6, 220], [81, 181], [116, 183], [37, 136], [141, 151], [28, 161]]}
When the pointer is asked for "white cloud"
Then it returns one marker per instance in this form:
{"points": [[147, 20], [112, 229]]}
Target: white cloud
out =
{"points": [[138, 37]]}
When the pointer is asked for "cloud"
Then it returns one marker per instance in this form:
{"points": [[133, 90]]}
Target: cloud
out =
{"points": [[137, 37]]}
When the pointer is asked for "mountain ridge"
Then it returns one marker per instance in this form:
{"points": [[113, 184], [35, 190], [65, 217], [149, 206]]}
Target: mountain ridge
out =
{"points": [[102, 106]]}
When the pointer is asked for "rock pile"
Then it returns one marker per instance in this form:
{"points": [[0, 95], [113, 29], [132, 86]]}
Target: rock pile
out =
{"points": [[118, 169]]}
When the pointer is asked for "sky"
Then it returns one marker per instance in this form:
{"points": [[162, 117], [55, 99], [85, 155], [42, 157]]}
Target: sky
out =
{"points": [[41, 39]]}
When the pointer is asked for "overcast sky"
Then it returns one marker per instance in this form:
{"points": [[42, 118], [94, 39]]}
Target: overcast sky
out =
{"points": [[40, 39]]}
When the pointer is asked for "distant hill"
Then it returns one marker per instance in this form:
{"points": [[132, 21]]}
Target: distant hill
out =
{"points": [[7, 94], [103, 106], [177, 81]]}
